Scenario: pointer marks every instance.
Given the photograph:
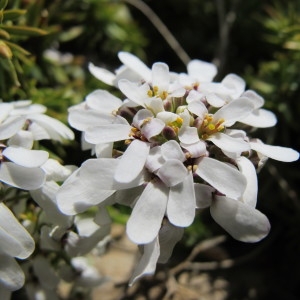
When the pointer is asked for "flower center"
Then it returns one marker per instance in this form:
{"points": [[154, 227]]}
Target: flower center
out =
{"points": [[209, 127], [154, 92]]}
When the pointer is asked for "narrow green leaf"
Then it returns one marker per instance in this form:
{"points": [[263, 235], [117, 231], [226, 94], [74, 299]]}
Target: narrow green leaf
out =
{"points": [[23, 30], [4, 34], [3, 3], [12, 14], [17, 48]]}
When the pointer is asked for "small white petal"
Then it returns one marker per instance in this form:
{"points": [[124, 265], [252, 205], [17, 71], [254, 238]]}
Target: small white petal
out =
{"points": [[154, 160], [5, 109], [260, 118], [188, 135], [103, 101], [140, 117], [258, 101], [102, 74], [154, 104], [135, 64], [15, 239], [276, 152], [182, 203], [235, 84], [145, 221], [11, 127], [198, 108], [12, 276], [22, 138], [193, 96], [203, 194], [201, 70], [152, 128], [22, 177], [147, 263], [197, 149], [222, 177], [160, 76], [215, 100], [132, 161], [243, 222], [172, 172], [167, 116], [107, 133], [228, 143], [172, 150]]}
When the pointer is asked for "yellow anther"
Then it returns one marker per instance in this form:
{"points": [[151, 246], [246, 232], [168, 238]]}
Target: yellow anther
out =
{"points": [[211, 126], [150, 93], [155, 90], [195, 167], [220, 128], [127, 142], [164, 95]]}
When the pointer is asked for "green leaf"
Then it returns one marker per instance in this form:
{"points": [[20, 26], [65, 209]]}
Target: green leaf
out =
{"points": [[4, 34], [23, 30], [3, 4], [17, 48], [12, 14]]}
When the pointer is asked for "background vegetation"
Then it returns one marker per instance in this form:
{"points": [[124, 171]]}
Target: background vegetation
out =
{"points": [[258, 40]]}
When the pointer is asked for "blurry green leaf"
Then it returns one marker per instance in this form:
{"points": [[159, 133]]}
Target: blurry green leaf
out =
{"points": [[23, 30], [71, 34], [4, 34], [17, 48], [3, 4], [5, 51], [13, 14]]}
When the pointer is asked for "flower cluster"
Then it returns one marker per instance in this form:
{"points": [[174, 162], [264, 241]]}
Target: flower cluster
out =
{"points": [[176, 143]]}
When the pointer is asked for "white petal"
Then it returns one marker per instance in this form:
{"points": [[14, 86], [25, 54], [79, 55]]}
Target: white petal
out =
{"points": [[154, 104], [243, 222], [234, 111], [235, 84], [152, 128], [107, 133], [195, 150], [228, 143], [12, 276], [276, 152], [203, 193], [15, 239], [172, 172], [25, 157], [11, 127], [198, 108], [141, 116], [154, 160], [167, 116], [145, 221], [132, 161], [160, 76], [147, 263], [5, 109], [215, 100], [258, 101], [39, 132], [222, 177], [260, 118], [22, 177], [193, 96], [182, 203], [247, 168], [201, 70], [135, 64], [103, 101], [169, 235], [188, 135], [22, 138], [102, 74], [172, 150]]}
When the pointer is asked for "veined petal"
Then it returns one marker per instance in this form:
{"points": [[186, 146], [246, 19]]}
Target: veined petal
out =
{"points": [[203, 194], [222, 177], [276, 152], [152, 128], [172, 150], [188, 135], [132, 161], [22, 177], [182, 202], [169, 235], [234, 111], [107, 133], [201, 70], [135, 64], [147, 263], [198, 108], [102, 74], [103, 101], [228, 143], [243, 222], [172, 172], [247, 168], [26, 157], [145, 220], [260, 118], [11, 275], [160, 76], [15, 239], [197, 149], [11, 127]]}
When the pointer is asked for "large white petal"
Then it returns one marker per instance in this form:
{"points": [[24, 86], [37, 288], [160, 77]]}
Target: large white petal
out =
{"points": [[145, 221], [169, 235], [26, 157], [107, 133], [141, 116], [22, 177], [260, 118], [103, 101], [22, 138], [135, 64], [201, 70], [198, 108], [152, 128], [234, 111], [228, 143], [258, 101], [147, 263], [234, 84], [196, 149], [172, 150], [11, 127], [5, 109], [215, 100], [132, 161], [243, 222], [102, 74], [160, 76], [172, 172], [222, 177], [276, 152], [188, 135], [15, 239], [11, 275], [204, 195], [182, 203], [247, 168], [154, 160]]}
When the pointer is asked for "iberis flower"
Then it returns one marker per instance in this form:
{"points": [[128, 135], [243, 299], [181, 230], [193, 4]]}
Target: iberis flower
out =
{"points": [[172, 146]]}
